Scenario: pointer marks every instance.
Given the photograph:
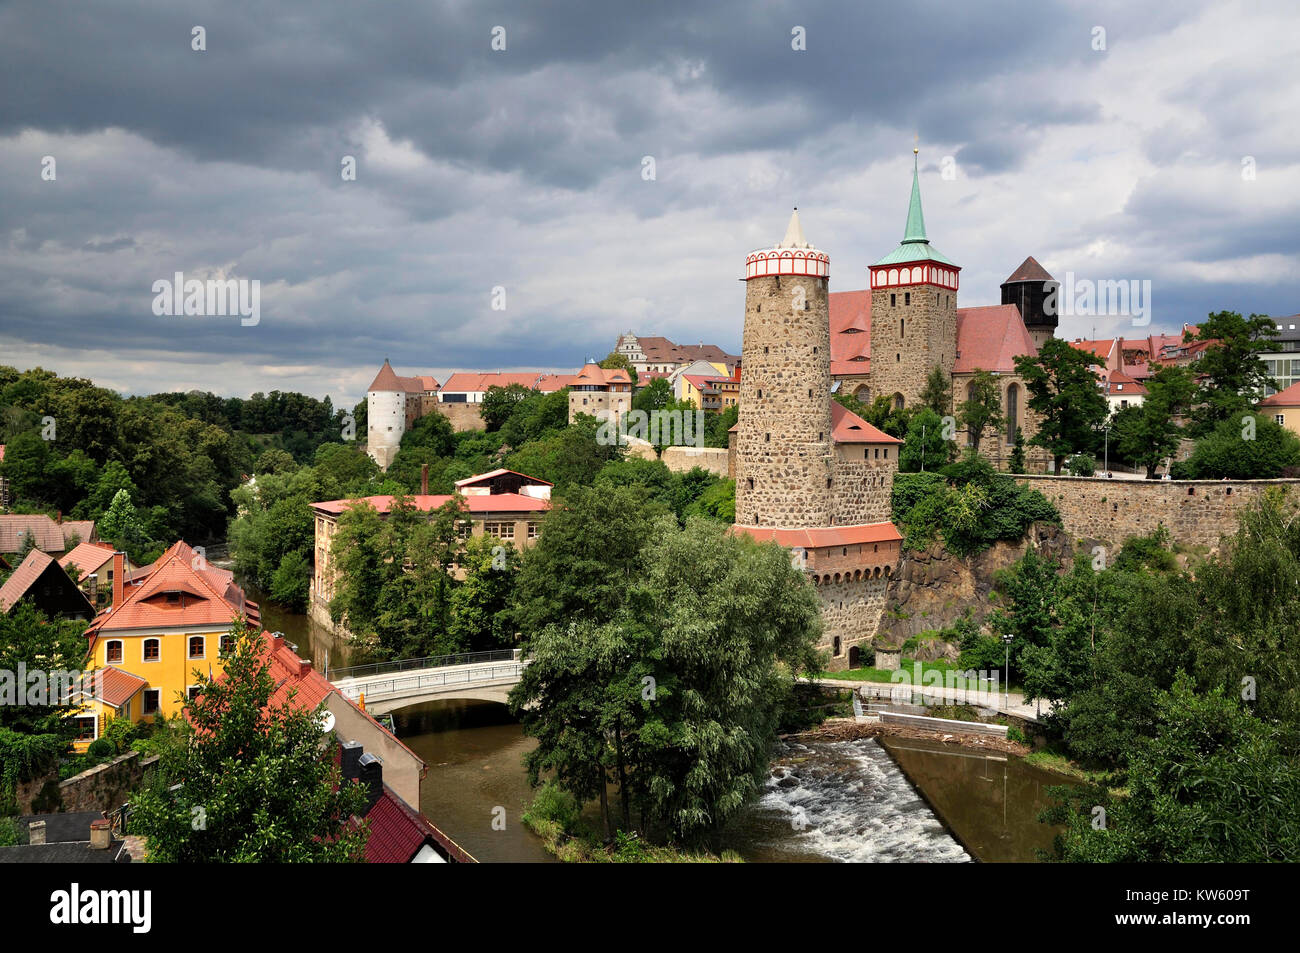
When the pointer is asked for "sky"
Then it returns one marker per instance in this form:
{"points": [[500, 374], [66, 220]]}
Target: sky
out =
{"points": [[1114, 141]]}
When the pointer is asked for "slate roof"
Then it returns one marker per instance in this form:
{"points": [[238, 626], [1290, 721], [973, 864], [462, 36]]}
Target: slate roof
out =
{"points": [[1029, 270]]}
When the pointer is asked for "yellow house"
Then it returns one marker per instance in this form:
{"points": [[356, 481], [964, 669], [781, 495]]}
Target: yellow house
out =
{"points": [[1284, 408], [169, 621]]}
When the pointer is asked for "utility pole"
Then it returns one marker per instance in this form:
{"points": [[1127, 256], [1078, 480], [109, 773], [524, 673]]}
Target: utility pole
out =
{"points": [[1006, 673]]}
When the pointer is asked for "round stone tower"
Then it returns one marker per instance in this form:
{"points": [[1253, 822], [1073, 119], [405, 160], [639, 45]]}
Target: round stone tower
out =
{"points": [[784, 453]]}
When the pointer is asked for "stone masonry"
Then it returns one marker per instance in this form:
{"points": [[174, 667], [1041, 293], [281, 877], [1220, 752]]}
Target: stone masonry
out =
{"points": [[913, 330]]}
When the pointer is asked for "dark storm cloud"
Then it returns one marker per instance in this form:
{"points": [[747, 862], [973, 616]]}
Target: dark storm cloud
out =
{"points": [[522, 169]]}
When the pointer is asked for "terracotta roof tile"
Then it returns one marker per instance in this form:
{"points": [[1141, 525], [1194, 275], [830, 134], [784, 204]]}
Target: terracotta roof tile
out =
{"points": [[990, 338], [23, 578], [87, 557], [495, 503], [1287, 397], [48, 535], [848, 427], [824, 536]]}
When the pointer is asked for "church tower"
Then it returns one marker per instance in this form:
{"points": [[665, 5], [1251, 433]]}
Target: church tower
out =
{"points": [[913, 311], [784, 453]]}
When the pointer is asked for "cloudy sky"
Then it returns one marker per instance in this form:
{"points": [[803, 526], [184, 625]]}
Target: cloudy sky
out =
{"points": [[1172, 155]]}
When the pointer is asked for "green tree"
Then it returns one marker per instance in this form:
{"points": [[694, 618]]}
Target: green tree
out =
{"points": [[291, 580], [480, 606], [500, 402], [926, 447], [1016, 462], [255, 785], [655, 395], [120, 524], [1251, 447], [1232, 376], [1063, 391], [614, 360], [1148, 433], [937, 393], [982, 408]]}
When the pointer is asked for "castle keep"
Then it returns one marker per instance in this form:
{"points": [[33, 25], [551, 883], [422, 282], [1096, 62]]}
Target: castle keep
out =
{"points": [[810, 475]]}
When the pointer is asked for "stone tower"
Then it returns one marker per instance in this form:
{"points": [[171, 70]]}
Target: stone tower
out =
{"points": [[913, 311], [1033, 291], [784, 453]]}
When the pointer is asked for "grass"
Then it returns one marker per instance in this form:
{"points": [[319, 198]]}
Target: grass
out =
{"points": [[1052, 758], [555, 817]]}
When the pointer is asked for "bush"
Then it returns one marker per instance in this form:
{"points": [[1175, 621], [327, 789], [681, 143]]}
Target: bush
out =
{"points": [[101, 748], [553, 806], [1235, 451], [1081, 464]]}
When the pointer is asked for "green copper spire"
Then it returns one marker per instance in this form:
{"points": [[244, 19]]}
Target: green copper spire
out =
{"points": [[914, 246], [915, 231]]}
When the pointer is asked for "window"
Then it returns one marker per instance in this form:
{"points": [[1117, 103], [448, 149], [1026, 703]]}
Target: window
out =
{"points": [[499, 529], [1279, 419], [152, 650], [197, 646], [907, 297], [534, 529], [837, 640], [226, 645], [464, 528], [113, 652], [750, 483], [151, 700], [192, 691], [893, 300], [86, 727]]}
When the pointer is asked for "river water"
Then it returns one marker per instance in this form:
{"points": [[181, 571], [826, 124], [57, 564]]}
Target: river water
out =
{"points": [[823, 802]]}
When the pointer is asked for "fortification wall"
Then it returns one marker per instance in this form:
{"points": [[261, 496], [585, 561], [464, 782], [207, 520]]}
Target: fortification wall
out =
{"points": [[462, 416], [1196, 512], [682, 459], [851, 611]]}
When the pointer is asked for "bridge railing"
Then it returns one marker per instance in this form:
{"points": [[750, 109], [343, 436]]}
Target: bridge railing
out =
{"points": [[431, 661], [375, 688]]}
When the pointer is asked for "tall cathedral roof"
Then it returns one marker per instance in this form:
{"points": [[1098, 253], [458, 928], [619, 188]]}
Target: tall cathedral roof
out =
{"points": [[915, 245]]}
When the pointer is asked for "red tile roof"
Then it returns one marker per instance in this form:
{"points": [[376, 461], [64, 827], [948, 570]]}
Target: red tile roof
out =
{"points": [[473, 382], [388, 380], [48, 535], [494, 503], [112, 685], [1120, 383], [501, 471], [594, 374], [23, 578], [1029, 270], [1287, 397], [209, 596], [850, 317], [550, 383], [88, 557], [397, 832], [990, 338], [660, 349], [824, 536], [848, 427]]}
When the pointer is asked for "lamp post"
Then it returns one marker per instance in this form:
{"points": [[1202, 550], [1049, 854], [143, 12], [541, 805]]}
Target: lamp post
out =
{"points": [[1006, 674], [1106, 463]]}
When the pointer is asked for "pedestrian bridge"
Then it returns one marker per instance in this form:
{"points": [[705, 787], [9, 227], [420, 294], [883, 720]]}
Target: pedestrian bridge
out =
{"points": [[388, 686]]}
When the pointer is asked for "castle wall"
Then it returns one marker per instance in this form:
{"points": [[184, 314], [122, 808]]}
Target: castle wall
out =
{"points": [[902, 354], [862, 487], [682, 459], [385, 423], [1196, 512], [851, 611], [462, 416], [783, 447]]}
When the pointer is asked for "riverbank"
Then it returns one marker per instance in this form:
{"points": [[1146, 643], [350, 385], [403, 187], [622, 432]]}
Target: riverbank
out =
{"points": [[841, 729]]}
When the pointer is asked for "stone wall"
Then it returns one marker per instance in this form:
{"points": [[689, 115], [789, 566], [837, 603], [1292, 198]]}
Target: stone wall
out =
{"points": [[783, 441], [462, 416], [863, 486], [851, 610], [1196, 512], [681, 459], [104, 787], [909, 339]]}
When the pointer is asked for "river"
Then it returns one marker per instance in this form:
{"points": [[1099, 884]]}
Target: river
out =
{"points": [[851, 801]]}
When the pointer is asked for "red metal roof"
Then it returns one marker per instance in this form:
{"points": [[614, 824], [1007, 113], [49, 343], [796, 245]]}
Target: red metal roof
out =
{"points": [[824, 536], [494, 503]]}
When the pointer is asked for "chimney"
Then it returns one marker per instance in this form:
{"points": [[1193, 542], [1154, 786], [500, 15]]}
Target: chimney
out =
{"points": [[372, 776], [352, 751], [119, 577], [424, 479], [58, 516], [100, 834], [304, 666], [36, 832]]}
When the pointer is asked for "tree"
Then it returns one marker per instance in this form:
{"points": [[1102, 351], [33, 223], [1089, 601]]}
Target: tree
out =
{"points": [[1232, 376], [1016, 463], [1147, 434], [676, 699], [120, 524], [926, 447], [291, 581], [1252, 447], [982, 408], [1214, 785], [500, 402], [615, 359], [588, 553], [937, 393], [655, 395], [480, 604], [1063, 391], [255, 783]]}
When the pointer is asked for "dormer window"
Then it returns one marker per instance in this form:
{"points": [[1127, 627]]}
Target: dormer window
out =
{"points": [[173, 598]]}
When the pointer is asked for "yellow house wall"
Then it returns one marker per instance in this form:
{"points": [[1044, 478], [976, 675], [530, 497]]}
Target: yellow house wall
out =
{"points": [[173, 671]]}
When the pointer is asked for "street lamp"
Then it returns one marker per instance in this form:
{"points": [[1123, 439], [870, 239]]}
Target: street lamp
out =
{"points": [[1106, 463], [1006, 673]]}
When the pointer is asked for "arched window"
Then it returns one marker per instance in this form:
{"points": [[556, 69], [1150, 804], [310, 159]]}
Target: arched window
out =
{"points": [[1013, 411]]}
